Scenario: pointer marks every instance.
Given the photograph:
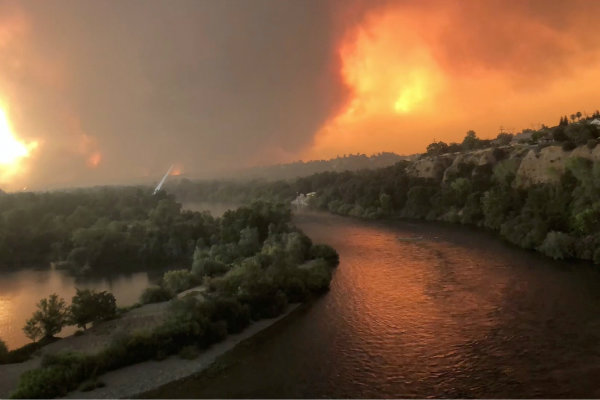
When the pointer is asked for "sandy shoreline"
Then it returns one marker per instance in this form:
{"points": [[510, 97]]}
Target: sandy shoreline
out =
{"points": [[140, 378]]}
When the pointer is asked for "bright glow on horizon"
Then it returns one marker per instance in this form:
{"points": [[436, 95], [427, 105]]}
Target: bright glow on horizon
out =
{"points": [[12, 151]]}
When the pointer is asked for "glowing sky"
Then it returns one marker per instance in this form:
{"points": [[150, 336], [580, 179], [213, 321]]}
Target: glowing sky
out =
{"points": [[117, 91]]}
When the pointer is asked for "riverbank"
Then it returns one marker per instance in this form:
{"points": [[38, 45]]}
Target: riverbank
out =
{"points": [[137, 379]]}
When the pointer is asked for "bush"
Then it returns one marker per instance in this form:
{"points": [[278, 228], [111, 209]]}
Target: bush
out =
{"points": [[236, 315], [568, 145], [325, 252], [155, 294], [208, 267], [318, 277], [179, 280], [59, 374], [558, 245], [264, 299]]}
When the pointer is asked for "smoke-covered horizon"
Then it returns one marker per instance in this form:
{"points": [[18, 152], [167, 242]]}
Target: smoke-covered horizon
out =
{"points": [[110, 91]]}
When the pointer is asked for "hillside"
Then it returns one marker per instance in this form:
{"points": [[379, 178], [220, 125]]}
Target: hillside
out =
{"points": [[538, 189], [347, 162]]}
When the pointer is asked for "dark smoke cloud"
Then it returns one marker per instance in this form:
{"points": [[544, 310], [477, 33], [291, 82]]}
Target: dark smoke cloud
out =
{"points": [[221, 84], [208, 84]]}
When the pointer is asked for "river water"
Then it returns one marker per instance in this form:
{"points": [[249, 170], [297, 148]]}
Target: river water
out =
{"points": [[423, 310], [21, 290]]}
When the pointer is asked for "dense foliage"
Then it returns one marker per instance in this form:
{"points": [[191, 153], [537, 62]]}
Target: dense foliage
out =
{"points": [[99, 229], [89, 306], [561, 220], [251, 267]]}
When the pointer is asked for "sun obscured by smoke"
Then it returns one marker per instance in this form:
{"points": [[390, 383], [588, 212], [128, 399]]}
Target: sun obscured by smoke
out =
{"points": [[419, 71], [112, 93]]}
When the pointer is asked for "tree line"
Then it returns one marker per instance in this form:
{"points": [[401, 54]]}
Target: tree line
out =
{"points": [[561, 220], [252, 265]]}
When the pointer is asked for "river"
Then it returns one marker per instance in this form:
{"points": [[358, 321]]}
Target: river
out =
{"points": [[21, 290], [423, 310]]}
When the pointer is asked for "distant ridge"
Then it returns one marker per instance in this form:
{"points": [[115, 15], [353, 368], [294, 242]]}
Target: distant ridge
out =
{"points": [[350, 162]]}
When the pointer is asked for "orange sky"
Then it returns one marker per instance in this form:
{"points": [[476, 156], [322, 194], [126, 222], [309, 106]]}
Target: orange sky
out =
{"points": [[419, 71], [101, 93]]}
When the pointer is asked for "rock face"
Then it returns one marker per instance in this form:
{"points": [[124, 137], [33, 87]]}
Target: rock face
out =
{"points": [[430, 167], [477, 158], [535, 164], [548, 164], [544, 166]]}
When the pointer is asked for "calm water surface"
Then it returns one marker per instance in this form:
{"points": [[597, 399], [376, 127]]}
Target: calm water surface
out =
{"points": [[456, 314], [20, 291]]}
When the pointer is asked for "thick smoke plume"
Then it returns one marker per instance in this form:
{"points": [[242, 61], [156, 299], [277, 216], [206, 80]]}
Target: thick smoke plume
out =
{"points": [[115, 92]]}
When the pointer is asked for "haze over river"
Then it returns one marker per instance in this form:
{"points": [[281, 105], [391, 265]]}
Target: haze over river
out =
{"points": [[417, 310]]}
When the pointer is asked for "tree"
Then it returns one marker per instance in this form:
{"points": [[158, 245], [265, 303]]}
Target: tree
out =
{"points": [[51, 316], [178, 280], [504, 138], [3, 351], [90, 306], [437, 148], [32, 329], [471, 142], [578, 115]]}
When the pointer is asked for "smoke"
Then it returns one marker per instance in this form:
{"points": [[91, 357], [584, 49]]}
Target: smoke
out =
{"points": [[431, 70], [118, 91]]}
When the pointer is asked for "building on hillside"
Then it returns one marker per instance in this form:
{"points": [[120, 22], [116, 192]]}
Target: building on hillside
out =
{"points": [[301, 201], [595, 121]]}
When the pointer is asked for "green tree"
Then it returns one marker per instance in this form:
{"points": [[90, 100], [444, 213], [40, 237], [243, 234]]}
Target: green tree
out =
{"points": [[32, 329], [249, 242], [52, 315], [89, 306], [178, 280]]}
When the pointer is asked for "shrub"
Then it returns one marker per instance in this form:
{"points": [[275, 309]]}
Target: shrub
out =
{"points": [[208, 267], [155, 294], [264, 299], [558, 245], [236, 315], [318, 277], [59, 374], [179, 280], [325, 252], [568, 145]]}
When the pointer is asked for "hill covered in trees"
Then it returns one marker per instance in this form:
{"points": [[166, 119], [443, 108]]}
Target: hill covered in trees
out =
{"points": [[538, 189], [347, 162]]}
